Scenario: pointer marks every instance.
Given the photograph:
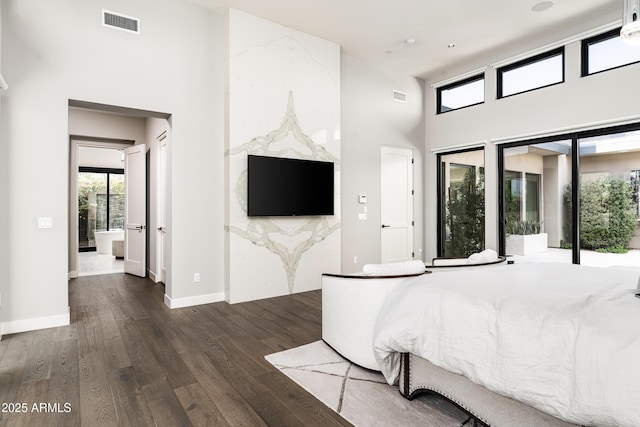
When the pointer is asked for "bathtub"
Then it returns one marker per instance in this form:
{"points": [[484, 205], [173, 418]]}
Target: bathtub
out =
{"points": [[104, 239]]}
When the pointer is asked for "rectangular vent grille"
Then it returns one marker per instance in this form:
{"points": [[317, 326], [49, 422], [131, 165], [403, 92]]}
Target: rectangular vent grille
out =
{"points": [[399, 96], [121, 22]]}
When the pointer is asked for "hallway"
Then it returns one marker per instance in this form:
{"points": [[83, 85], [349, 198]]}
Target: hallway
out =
{"points": [[92, 263]]}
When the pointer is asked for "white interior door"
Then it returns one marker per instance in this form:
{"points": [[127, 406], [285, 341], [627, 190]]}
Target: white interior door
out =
{"points": [[135, 210], [396, 235], [161, 260]]}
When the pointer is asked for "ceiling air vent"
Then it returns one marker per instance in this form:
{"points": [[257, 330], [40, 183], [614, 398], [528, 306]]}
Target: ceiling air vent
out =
{"points": [[399, 96], [121, 22]]}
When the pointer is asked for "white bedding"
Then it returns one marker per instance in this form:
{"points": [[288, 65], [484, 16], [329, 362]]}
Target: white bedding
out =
{"points": [[562, 338]]}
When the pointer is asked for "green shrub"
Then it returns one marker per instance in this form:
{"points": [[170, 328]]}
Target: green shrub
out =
{"points": [[465, 217], [524, 227], [613, 250], [607, 216], [565, 245]]}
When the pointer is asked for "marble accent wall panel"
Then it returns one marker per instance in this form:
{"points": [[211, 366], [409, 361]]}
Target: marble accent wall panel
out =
{"points": [[283, 100]]}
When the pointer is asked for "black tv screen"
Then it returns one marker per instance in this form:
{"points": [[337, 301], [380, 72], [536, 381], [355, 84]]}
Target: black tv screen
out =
{"points": [[289, 187]]}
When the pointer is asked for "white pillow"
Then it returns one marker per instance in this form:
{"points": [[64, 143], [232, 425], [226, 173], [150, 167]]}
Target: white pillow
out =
{"points": [[394, 268], [488, 255]]}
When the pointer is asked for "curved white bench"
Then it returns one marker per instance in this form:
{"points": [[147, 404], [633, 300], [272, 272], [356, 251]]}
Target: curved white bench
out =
{"points": [[350, 307], [351, 304]]}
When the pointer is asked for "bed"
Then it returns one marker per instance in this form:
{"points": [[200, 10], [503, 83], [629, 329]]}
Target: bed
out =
{"points": [[525, 344]]}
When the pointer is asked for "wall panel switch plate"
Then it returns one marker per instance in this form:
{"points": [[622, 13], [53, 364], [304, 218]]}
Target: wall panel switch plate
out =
{"points": [[362, 217], [46, 222]]}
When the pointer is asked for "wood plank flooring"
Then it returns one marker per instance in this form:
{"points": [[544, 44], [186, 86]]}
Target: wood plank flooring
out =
{"points": [[127, 360]]}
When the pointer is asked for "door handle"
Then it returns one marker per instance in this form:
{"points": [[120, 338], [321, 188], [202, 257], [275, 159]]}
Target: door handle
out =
{"points": [[385, 226], [140, 227]]}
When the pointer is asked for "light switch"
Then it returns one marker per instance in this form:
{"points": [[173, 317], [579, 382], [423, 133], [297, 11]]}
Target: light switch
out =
{"points": [[362, 199], [362, 217], [46, 222]]}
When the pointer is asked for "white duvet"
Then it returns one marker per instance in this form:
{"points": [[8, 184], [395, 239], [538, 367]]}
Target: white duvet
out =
{"points": [[562, 338]]}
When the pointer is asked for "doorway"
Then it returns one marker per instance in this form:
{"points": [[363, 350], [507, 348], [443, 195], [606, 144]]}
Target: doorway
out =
{"points": [[109, 132], [96, 208]]}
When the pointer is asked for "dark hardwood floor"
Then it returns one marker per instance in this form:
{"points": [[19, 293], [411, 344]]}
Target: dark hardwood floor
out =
{"points": [[127, 360]]}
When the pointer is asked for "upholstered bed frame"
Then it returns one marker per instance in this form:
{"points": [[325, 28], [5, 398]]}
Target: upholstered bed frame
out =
{"points": [[488, 408]]}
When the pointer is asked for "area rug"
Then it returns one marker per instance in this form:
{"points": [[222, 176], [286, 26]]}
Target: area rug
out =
{"points": [[359, 395]]}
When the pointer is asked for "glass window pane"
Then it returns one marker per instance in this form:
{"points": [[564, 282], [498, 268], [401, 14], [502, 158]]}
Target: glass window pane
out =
{"points": [[91, 187], [537, 201], [116, 201], [512, 197], [608, 52], [608, 192], [532, 194], [533, 75], [462, 226], [458, 96]]}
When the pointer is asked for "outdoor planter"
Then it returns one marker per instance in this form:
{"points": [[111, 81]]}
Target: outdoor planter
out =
{"points": [[526, 244]]}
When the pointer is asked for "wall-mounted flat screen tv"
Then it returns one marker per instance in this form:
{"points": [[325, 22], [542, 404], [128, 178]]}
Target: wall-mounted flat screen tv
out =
{"points": [[289, 187]]}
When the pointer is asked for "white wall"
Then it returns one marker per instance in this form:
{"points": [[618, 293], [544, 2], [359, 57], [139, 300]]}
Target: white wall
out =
{"points": [[56, 51], [100, 157], [371, 119], [283, 101], [4, 226], [605, 97], [92, 123]]}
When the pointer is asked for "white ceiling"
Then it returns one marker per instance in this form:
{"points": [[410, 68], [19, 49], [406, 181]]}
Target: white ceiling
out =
{"points": [[375, 30]]}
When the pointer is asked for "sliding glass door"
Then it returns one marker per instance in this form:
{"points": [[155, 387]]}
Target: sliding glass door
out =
{"points": [[461, 217], [100, 204], [535, 178], [609, 172], [560, 207]]}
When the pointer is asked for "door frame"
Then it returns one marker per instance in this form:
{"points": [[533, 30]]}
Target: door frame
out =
{"points": [[75, 142], [574, 136], [441, 199], [161, 205]]}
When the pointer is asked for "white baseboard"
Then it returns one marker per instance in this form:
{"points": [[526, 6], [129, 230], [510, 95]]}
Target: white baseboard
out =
{"points": [[191, 301], [152, 276], [16, 326]]}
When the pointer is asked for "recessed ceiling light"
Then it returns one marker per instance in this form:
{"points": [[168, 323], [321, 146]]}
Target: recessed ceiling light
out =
{"points": [[542, 6], [389, 52], [410, 42]]}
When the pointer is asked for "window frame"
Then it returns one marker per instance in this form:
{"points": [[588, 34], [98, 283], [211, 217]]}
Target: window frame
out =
{"points": [[459, 83], [441, 198], [588, 42], [560, 51]]}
